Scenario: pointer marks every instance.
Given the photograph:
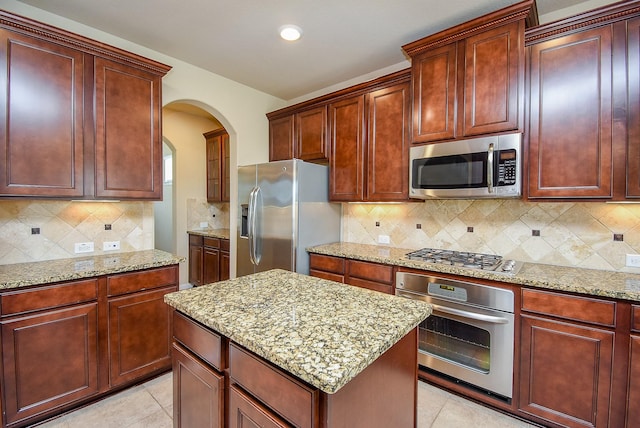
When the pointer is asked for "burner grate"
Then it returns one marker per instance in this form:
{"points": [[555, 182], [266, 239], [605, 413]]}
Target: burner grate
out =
{"points": [[462, 258]]}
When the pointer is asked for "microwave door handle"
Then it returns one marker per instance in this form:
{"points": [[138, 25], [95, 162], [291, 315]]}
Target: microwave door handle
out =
{"points": [[490, 169], [470, 315]]}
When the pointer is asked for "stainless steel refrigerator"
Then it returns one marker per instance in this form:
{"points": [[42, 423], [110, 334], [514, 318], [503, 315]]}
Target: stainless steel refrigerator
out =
{"points": [[283, 209]]}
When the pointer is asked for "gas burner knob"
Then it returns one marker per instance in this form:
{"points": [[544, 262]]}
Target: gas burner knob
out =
{"points": [[508, 265]]}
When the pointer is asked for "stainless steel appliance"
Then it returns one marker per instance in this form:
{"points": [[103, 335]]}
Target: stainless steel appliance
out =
{"points": [[466, 259], [487, 167], [470, 334], [283, 210]]}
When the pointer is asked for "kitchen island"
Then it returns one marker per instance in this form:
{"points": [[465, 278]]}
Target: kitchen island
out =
{"points": [[293, 349]]}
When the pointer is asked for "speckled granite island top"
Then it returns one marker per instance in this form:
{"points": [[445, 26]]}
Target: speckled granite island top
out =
{"points": [[593, 282], [45, 272], [320, 331], [210, 233]]}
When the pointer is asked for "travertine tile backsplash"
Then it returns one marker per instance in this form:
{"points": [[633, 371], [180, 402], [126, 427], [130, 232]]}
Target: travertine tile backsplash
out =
{"points": [[63, 223], [571, 234], [215, 214]]}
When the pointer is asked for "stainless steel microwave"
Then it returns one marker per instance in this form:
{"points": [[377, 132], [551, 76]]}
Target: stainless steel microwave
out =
{"points": [[486, 167]]}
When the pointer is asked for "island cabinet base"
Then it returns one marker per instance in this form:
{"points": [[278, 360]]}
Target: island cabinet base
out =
{"points": [[259, 394]]}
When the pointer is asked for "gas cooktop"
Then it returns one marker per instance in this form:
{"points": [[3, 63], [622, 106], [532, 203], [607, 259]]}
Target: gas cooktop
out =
{"points": [[469, 260]]}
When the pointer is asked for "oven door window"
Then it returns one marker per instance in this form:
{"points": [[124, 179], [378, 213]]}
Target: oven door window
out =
{"points": [[455, 341], [460, 171]]}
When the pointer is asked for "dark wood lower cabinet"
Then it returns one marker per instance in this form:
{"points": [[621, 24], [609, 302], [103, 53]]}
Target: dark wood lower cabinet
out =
{"points": [[69, 343], [633, 399], [208, 259], [566, 372], [198, 392], [263, 395], [245, 412], [49, 360], [139, 342]]}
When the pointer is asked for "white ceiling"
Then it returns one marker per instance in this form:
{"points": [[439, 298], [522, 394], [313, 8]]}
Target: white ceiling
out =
{"points": [[342, 39]]}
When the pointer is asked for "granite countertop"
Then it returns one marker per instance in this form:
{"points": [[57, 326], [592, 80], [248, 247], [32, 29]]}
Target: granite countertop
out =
{"points": [[33, 273], [210, 233], [320, 331], [592, 282]]}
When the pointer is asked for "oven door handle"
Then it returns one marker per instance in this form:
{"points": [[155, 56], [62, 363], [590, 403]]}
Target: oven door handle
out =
{"points": [[470, 315]]}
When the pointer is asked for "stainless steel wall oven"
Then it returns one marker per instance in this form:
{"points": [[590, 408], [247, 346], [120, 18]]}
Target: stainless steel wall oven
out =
{"points": [[470, 335]]}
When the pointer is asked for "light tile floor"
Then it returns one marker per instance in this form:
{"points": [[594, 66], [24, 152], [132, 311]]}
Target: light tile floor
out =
{"points": [[150, 405]]}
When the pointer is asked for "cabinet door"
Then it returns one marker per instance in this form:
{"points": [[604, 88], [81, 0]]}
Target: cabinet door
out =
{"points": [[210, 265], [245, 412], [41, 118], [311, 133], [388, 143], [565, 373], [281, 142], [139, 335], [49, 360], [346, 121], [214, 191], [224, 265], [198, 392], [195, 264], [494, 79], [570, 138], [633, 410], [633, 121], [434, 94], [128, 147], [225, 166]]}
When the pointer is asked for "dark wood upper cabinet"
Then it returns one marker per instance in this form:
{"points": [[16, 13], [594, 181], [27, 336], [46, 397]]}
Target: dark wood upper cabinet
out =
{"points": [[583, 124], [78, 119], [281, 135], [469, 80], [633, 96], [128, 145], [570, 120], [218, 175], [388, 141], [346, 166], [311, 134], [301, 135], [41, 125]]}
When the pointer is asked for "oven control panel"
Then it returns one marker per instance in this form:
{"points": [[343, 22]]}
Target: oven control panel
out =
{"points": [[447, 291]]}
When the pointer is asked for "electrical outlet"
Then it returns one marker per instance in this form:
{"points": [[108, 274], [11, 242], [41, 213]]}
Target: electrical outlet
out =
{"points": [[384, 239], [110, 245], [83, 247], [204, 224], [633, 260]]}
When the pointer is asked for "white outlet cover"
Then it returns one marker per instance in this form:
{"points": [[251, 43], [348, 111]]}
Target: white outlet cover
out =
{"points": [[384, 239], [83, 247], [633, 260]]}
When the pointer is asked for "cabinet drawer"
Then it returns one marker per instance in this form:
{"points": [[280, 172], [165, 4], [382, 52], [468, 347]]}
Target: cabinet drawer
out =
{"points": [[47, 297], [326, 275], [635, 318], [212, 242], [371, 285], [371, 271], [201, 341], [224, 244], [327, 263], [576, 308], [285, 395], [138, 281], [195, 239]]}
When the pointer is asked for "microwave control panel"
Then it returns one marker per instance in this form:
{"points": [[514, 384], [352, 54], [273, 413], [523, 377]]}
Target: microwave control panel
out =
{"points": [[507, 161]]}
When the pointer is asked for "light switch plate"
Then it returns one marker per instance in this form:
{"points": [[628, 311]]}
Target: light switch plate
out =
{"points": [[633, 260], [83, 247]]}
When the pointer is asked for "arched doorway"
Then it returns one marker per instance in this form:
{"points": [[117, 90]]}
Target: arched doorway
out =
{"points": [[184, 123]]}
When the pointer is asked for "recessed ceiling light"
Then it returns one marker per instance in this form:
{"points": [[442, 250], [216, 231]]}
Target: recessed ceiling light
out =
{"points": [[290, 32]]}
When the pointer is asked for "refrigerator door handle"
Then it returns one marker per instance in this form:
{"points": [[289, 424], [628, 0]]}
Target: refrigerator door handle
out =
{"points": [[252, 220]]}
